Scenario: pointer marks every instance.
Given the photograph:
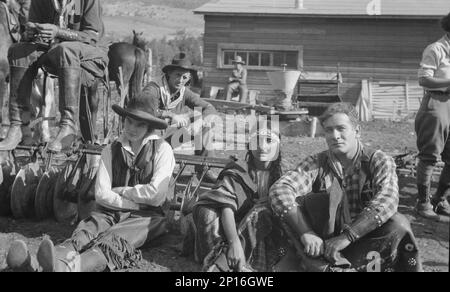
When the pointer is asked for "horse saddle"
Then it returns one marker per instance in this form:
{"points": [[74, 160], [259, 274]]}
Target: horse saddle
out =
{"points": [[13, 23]]}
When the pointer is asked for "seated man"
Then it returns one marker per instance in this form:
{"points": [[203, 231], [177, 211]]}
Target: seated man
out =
{"points": [[237, 83], [131, 188], [341, 204], [175, 98], [64, 38]]}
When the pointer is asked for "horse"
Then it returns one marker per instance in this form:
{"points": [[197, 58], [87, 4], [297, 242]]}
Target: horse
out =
{"points": [[140, 42], [132, 62]]}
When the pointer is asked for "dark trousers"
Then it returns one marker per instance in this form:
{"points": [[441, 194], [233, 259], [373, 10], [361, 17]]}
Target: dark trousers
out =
{"points": [[432, 126], [236, 87], [92, 60]]}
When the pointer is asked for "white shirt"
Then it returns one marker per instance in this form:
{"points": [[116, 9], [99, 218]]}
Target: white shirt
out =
{"points": [[436, 61], [154, 193]]}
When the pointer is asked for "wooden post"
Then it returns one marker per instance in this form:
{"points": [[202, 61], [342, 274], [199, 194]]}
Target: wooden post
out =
{"points": [[149, 65], [201, 55], [370, 95], [407, 96]]}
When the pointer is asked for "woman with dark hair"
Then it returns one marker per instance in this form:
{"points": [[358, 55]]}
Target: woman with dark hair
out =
{"points": [[240, 186]]}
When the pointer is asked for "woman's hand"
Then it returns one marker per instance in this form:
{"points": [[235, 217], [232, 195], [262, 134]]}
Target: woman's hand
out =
{"points": [[119, 190], [235, 256], [313, 244]]}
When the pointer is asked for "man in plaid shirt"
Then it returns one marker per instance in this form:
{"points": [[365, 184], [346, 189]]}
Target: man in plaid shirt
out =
{"points": [[341, 196]]}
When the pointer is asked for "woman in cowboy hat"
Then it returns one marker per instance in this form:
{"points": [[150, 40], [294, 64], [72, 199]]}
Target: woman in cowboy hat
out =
{"points": [[131, 187], [239, 187], [237, 83], [175, 98]]}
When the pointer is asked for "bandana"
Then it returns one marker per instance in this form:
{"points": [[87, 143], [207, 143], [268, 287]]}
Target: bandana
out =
{"points": [[336, 165], [170, 101]]}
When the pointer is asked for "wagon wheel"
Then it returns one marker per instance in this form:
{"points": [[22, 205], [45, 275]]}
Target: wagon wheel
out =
{"points": [[23, 190], [43, 202], [65, 207], [7, 176]]}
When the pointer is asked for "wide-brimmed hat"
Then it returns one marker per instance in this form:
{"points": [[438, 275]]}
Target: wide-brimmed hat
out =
{"points": [[238, 60], [143, 108], [181, 61]]}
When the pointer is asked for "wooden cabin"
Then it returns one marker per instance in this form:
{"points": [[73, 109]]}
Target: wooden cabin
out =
{"points": [[380, 40]]}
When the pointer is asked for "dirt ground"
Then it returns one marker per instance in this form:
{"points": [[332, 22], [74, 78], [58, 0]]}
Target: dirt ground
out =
{"points": [[163, 255]]}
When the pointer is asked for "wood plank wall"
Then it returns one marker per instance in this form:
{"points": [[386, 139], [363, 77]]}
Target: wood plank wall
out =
{"points": [[382, 49]]}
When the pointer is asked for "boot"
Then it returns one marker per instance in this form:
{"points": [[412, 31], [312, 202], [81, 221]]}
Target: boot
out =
{"points": [[69, 94], [439, 200], [423, 206], [67, 259], [20, 85], [19, 258]]}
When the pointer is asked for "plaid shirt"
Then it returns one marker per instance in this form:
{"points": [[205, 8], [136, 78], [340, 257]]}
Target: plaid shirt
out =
{"points": [[379, 195]]}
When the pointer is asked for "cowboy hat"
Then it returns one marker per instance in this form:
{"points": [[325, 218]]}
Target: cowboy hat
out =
{"points": [[238, 60], [181, 61], [142, 108]]}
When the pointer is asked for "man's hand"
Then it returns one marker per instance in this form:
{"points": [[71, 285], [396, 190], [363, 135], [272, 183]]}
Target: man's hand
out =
{"points": [[30, 32], [235, 256], [180, 120], [47, 31], [313, 244], [334, 245]]}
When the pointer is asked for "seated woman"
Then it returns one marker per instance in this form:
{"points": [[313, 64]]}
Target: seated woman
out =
{"points": [[239, 187], [131, 187]]}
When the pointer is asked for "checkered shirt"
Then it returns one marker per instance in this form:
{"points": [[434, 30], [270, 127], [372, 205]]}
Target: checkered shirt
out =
{"points": [[383, 188]]}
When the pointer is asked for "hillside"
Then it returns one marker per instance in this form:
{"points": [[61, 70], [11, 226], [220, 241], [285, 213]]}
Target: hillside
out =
{"points": [[156, 18]]}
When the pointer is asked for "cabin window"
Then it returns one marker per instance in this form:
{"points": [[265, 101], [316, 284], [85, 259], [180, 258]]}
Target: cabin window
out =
{"points": [[260, 57]]}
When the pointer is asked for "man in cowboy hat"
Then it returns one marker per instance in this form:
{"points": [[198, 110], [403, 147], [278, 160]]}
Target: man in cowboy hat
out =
{"points": [[131, 187], [175, 97], [432, 126], [341, 204], [237, 83], [64, 37]]}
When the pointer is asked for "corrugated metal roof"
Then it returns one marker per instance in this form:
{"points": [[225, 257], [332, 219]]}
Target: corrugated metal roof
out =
{"points": [[378, 8]]}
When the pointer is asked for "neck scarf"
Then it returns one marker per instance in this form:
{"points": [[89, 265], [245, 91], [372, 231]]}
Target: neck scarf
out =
{"points": [[336, 165], [170, 101]]}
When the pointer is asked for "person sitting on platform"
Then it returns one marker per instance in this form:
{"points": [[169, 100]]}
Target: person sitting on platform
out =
{"points": [[175, 102], [237, 83]]}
